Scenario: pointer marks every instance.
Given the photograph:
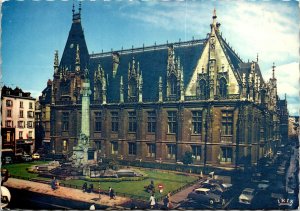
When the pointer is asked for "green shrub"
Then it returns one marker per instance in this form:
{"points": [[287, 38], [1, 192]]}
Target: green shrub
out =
{"points": [[121, 179]]}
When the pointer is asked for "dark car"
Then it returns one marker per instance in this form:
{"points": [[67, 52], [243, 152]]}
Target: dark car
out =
{"points": [[217, 185], [205, 196]]}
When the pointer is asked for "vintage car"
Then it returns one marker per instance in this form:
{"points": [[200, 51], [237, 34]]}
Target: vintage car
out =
{"points": [[205, 196], [247, 196]]}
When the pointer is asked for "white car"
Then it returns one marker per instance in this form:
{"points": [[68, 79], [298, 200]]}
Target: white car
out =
{"points": [[247, 196], [263, 184], [35, 156]]}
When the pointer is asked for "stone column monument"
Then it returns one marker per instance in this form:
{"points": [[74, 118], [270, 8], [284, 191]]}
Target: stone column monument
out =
{"points": [[80, 158]]}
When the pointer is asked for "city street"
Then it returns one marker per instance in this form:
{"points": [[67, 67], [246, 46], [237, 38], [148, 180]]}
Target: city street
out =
{"points": [[279, 188]]}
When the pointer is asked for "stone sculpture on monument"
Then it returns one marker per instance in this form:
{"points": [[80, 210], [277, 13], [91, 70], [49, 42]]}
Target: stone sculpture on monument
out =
{"points": [[80, 158]]}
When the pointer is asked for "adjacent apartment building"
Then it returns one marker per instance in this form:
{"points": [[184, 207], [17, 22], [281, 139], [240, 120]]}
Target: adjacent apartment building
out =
{"points": [[157, 102], [17, 125]]}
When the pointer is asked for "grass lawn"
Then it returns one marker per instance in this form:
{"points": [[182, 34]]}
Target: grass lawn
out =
{"points": [[19, 169], [170, 180]]}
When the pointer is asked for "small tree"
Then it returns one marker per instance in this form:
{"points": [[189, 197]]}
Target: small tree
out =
{"points": [[187, 158]]}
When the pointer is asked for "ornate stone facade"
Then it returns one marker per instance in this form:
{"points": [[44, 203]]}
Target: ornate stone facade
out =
{"points": [[157, 102]]}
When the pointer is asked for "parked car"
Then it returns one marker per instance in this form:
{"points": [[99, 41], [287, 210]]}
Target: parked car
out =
{"points": [[206, 196], [26, 158], [263, 184], [247, 196], [218, 185], [4, 175], [7, 160], [36, 156]]}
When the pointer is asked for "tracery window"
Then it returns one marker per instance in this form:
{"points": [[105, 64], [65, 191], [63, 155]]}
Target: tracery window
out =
{"points": [[202, 89], [132, 88], [223, 88], [173, 85]]}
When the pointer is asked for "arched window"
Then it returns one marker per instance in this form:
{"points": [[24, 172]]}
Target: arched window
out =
{"points": [[223, 88], [132, 88], [65, 88], [202, 89], [173, 85]]}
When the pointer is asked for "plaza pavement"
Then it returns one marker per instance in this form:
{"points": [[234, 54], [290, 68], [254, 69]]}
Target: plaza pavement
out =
{"points": [[66, 193], [78, 195]]}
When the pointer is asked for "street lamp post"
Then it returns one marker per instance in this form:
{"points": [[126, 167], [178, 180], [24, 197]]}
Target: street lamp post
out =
{"points": [[99, 191]]}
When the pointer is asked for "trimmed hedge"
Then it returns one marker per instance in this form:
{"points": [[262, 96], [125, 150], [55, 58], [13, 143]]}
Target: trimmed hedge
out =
{"points": [[120, 179], [171, 167]]}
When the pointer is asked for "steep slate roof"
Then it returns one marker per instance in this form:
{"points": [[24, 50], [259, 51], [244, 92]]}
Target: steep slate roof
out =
{"points": [[246, 68], [45, 98], [76, 37], [233, 57], [153, 64]]}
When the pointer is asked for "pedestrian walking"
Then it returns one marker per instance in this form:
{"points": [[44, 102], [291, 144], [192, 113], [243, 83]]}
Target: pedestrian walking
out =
{"points": [[166, 202], [90, 189], [84, 187], [54, 184], [113, 195], [152, 201], [110, 193]]}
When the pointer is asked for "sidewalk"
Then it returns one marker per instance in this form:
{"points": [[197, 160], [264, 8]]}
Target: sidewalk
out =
{"points": [[67, 193], [179, 197]]}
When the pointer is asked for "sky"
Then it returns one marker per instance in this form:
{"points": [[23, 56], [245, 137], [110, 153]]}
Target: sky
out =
{"points": [[32, 30]]}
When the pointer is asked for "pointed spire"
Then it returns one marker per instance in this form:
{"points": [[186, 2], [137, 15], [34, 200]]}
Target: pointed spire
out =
{"points": [[257, 57], [273, 70], [214, 14], [73, 9], [56, 60], [79, 7], [214, 24], [76, 16]]}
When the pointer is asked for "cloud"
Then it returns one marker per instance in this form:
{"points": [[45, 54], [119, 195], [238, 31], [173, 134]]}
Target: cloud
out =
{"points": [[267, 28]]}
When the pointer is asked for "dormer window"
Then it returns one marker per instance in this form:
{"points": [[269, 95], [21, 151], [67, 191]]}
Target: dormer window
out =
{"points": [[132, 88], [202, 89], [173, 85]]}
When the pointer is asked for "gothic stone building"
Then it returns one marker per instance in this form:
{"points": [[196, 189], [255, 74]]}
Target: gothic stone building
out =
{"points": [[155, 103]]}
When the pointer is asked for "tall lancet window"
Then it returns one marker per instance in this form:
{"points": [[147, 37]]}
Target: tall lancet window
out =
{"points": [[132, 88], [98, 91], [223, 88], [202, 89], [173, 85], [65, 88]]}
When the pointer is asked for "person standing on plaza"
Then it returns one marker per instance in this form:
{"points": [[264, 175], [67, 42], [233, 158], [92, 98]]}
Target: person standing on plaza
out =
{"points": [[152, 201], [54, 183], [113, 195], [110, 193], [84, 187]]}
